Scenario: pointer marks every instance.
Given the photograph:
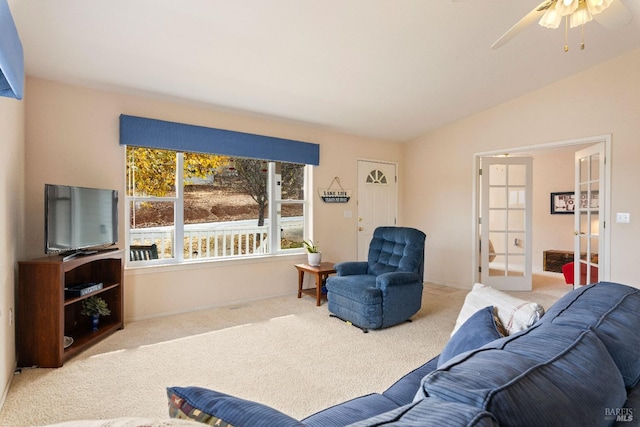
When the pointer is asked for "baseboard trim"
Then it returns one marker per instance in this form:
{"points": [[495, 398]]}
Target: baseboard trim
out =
{"points": [[7, 387]]}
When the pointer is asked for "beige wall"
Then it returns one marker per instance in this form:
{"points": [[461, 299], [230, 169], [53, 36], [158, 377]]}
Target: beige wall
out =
{"points": [[438, 167], [72, 138], [11, 228]]}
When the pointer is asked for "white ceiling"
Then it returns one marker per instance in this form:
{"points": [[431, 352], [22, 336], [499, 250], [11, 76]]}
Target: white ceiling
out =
{"points": [[389, 69]]}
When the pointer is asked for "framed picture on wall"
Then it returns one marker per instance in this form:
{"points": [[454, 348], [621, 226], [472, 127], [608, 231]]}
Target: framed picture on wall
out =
{"points": [[563, 203]]}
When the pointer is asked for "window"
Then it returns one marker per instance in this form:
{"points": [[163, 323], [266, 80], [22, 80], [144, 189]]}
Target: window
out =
{"points": [[376, 177], [216, 207]]}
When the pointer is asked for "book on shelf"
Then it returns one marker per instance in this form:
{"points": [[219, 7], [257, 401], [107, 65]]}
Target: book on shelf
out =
{"points": [[82, 289]]}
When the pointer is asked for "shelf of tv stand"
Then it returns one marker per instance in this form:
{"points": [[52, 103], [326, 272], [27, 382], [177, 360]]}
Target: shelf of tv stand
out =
{"points": [[83, 342], [44, 315], [74, 300]]}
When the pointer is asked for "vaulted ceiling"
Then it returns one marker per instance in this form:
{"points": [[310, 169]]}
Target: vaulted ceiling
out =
{"points": [[388, 69]]}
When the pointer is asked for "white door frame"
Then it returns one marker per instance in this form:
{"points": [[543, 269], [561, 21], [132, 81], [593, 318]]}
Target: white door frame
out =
{"points": [[606, 209]]}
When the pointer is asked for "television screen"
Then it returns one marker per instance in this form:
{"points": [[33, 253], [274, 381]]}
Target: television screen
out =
{"points": [[79, 218]]}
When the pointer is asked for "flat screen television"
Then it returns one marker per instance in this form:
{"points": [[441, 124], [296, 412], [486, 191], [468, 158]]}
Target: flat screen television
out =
{"points": [[79, 218]]}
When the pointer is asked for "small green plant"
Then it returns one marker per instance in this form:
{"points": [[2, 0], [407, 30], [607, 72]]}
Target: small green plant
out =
{"points": [[95, 305], [311, 247]]}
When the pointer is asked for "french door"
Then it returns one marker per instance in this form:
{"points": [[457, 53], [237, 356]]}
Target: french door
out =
{"points": [[505, 224], [589, 223]]}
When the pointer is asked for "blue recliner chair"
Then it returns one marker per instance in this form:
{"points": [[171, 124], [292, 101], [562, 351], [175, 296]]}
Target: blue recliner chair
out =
{"points": [[386, 289]]}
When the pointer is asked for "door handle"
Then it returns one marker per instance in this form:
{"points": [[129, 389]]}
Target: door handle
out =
{"points": [[360, 228]]}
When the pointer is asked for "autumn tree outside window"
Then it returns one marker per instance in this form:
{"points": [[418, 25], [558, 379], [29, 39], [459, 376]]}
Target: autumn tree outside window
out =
{"points": [[218, 207]]}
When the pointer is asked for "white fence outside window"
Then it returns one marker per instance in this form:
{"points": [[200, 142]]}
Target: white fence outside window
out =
{"points": [[213, 240]]}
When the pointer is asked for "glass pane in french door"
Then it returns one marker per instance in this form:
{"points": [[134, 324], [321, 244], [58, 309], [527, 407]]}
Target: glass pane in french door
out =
{"points": [[507, 218], [588, 220]]}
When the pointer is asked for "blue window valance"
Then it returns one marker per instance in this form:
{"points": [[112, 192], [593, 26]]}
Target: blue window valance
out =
{"points": [[11, 56], [152, 133]]}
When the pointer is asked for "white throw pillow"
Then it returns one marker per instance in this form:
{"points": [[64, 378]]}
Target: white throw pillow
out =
{"points": [[514, 313]]}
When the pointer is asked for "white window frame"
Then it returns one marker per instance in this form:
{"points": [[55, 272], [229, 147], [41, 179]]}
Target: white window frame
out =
{"points": [[274, 206]]}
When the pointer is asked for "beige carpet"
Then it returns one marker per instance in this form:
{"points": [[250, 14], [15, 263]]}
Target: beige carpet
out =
{"points": [[284, 352]]}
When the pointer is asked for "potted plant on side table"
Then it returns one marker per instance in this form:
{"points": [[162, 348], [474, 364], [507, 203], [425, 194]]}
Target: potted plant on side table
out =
{"points": [[95, 307], [314, 256]]}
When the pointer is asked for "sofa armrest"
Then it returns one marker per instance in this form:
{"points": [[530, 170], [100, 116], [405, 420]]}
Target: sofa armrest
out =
{"points": [[351, 268], [397, 278], [404, 390], [209, 406]]}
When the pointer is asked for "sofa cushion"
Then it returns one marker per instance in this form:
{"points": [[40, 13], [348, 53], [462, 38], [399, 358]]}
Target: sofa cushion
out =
{"points": [[555, 373], [219, 409], [432, 412], [478, 330], [515, 314], [354, 410], [612, 310]]}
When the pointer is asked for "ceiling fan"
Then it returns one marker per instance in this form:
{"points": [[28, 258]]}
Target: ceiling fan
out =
{"points": [[550, 13]]}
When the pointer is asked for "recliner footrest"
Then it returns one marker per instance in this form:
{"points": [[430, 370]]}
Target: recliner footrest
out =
{"points": [[365, 330]]}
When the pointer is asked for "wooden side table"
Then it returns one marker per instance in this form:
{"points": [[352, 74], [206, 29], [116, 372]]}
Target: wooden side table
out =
{"points": [[321, 272], [553, 260]]}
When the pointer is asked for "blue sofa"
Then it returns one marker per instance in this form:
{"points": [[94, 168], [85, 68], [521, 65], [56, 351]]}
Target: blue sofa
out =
{"points": [[578, 366]]}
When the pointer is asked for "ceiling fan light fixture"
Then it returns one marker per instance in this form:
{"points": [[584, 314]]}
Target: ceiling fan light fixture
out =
{"points": [[597, 6], [550, 14], [566, 7], [581, 16], [551, 19]]}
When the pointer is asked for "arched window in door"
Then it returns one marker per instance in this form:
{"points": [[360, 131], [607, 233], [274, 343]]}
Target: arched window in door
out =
{"points": [[376, 177]]}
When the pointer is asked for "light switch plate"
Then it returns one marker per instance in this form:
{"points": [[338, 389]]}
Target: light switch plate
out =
{"points": [[623, 218]]}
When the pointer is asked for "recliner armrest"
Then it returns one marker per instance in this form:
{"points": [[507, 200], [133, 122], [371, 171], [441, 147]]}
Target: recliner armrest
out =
{"points": [[397, 278], [350, 268]]}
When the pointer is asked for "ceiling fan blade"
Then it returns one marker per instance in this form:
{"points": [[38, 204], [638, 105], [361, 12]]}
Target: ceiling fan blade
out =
{"points": [[615, 16], [528, 19]]}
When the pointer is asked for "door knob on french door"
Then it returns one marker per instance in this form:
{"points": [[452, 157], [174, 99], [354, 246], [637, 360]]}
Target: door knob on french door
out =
{"points": [[360, 228]]}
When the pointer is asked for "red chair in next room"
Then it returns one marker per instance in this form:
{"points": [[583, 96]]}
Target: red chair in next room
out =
{"points": [[567, 270]]}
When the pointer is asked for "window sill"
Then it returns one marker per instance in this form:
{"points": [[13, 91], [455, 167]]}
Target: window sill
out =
{"points": [[158, 266]]}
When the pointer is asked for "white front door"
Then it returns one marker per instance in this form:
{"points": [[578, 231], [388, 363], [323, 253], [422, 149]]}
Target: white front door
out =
{"points": [[377, 200], [589, 223], [505, 254]]}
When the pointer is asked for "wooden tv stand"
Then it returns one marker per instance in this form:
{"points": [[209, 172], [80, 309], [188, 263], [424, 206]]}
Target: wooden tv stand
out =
{"points": [[44, 316]]}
